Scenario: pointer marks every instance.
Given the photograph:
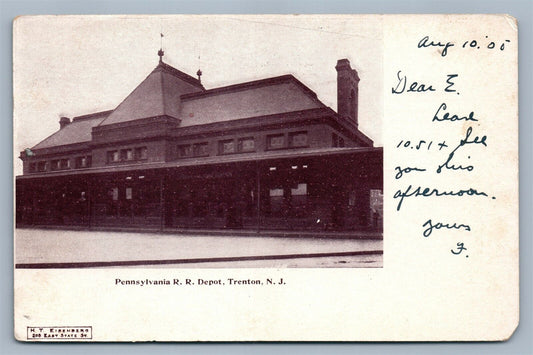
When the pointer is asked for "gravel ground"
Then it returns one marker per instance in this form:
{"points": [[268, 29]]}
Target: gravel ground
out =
{"points": [[61, 246]]}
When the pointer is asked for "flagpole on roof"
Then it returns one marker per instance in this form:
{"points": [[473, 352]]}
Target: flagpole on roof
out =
{"points": [[161, 53], [199, 72]]}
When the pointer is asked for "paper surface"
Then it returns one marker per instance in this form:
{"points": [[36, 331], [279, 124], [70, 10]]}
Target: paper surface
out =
{"points": [[437, 92]]}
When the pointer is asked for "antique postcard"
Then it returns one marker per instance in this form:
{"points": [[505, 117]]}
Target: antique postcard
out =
{"points": [[266, 178]]}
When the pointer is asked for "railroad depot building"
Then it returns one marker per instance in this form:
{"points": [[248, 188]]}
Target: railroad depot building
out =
{"points": [[259, 155]]}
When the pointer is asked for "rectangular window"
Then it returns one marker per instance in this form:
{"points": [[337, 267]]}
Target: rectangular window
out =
{"points": [[276, 201], [201, 149], [276, 141], [60, 164], [129, 193], [351, 198], [298, 139], [141, 153], [83, 162], [41, 166], [246, 144], [126, 154], [32, 167], [184, 150], [226, 147], [299, 200], [55, 165], [64, 164], [113, 156], [114, 193], [300, 190], [276, 192]]}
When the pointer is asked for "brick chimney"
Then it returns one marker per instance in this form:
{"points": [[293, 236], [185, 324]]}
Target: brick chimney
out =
{"points": [[63, 122], [347, 90]]}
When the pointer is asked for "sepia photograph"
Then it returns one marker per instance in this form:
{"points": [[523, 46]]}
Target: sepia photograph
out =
{"points": [[198, 141], [265, 178]]}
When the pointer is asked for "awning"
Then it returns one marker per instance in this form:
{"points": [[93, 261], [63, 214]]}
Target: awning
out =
{"points": [[212, 160]]}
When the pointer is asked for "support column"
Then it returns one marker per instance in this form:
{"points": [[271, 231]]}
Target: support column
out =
{"points": [[258, 198], [363, 205], [89, 202], [162, 202]]}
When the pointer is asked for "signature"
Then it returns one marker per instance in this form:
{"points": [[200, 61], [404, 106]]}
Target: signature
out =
{"points": [[431, 226]]}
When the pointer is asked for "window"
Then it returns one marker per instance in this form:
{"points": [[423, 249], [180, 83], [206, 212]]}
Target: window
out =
{"points": [[299, 200], [126, 154], [83, 162], [41, 166], [114, 193], [246, 144], [64, 164], [129, 193], [351, 198], [141, 153], [200, 149], [300, 190], [32, 167], [276, 141], [298, 139], [184, 150], [60, 164], [112, 156], [226, 147], [276, 192]]}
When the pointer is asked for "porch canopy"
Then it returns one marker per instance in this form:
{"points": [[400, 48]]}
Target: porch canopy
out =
{"points": [[311, 189]]}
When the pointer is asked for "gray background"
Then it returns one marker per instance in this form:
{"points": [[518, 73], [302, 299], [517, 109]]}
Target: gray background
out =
{"points": [[522, 340]]}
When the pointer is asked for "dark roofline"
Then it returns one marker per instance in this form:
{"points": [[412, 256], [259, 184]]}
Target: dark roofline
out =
{"points": [[179, 74], [347, 125], [255, 83], [47, 152], [164, 68], [255, 120], [75, 119], [91, 115]]}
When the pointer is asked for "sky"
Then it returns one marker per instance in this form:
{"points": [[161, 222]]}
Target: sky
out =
{"points": [[72, 65]]}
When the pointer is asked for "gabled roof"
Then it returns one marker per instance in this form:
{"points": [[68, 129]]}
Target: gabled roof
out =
{"points": [[270, 96], [158, 95], [167, 91], [79, 131]]}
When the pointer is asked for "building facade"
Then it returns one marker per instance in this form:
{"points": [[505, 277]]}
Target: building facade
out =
{"points": [[260, 155]]}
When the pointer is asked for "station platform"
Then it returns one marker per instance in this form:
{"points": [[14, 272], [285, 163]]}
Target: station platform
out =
{"points": [[52, 248]]}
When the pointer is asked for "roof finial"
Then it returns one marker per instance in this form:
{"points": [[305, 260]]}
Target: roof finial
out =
{"points": [[199, 72], [161, 53]]}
